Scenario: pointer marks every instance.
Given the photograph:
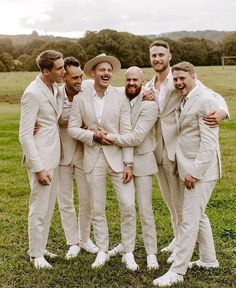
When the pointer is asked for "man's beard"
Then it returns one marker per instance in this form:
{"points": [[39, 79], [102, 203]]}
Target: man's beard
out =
{"points": [[133, 94]]}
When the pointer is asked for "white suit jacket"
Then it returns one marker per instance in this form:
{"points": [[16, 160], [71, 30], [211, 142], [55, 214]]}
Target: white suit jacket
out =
{"points": [[71, 149], [197, 150], [166, 127], [115, 119], [143, 118], [41, 151]]}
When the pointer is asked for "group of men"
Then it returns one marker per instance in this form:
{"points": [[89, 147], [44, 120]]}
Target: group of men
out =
{"points": [[89, 130]]}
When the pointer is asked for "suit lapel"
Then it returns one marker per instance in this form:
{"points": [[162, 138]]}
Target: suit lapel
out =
{"points": [[135, 109], [187, 106], [51, 98], [91, 104]]}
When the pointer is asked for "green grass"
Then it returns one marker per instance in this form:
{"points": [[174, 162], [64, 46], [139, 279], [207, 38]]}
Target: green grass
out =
{"points": [[15, 269]]}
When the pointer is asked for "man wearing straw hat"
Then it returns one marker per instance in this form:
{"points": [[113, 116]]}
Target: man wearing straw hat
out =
{"points": [[105, 107]]}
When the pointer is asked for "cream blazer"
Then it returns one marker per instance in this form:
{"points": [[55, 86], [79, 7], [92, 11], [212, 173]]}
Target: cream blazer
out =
{"points": [[71, 149], [197, 150], [166, 126], [115, 119], [38, 104], [143, 118]]}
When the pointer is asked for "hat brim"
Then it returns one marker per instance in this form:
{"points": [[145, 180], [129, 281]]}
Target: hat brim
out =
{"points": [[115, 63]]}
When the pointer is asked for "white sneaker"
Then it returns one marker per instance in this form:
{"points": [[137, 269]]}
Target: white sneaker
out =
{"points": [[168, 279], [40, 263], [72, 252], [171, 258], [116, 251], [128, 259], [202, 264], [101, 259], [170, 247], [89, 246], [152, 262], [49, 254]]}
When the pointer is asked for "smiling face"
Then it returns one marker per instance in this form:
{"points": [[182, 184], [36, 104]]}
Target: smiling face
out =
{"points": [[133, 82], [73, 79], [184, 82], [57, 72], [160, 58], [102, 74]]}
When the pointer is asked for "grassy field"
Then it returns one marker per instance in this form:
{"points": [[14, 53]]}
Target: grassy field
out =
{"points": [[15, 269]]}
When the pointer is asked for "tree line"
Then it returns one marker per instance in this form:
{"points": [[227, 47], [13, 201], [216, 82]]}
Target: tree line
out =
{"points": [[130, 49]]}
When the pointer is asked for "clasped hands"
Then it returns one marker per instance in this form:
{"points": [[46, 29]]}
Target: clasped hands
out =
{"points": [[101, 136]]}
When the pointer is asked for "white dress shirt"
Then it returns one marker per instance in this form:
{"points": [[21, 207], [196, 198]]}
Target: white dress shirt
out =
{"points": [[98, 104]]}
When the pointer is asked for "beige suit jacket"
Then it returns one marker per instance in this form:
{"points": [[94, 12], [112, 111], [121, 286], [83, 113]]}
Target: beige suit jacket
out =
{"points": [[197, 150], [166, 126], [41, 151], [143, 117], [115, 119], [71, 149]]}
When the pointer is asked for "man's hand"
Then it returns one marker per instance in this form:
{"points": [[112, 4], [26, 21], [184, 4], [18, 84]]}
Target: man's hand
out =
{"points": [[214, 118], [149, 96], [189, 181], [44, 178], [102, 138], [127, 174], [36, 128]]}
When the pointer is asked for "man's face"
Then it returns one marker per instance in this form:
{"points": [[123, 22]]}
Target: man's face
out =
{"points": [[102, 74], [184, 82], [133, 83], [57, 72], [73, 79], [159, 58]]}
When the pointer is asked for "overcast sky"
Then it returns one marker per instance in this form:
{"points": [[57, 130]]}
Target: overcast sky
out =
{"points": [[71, 18]]}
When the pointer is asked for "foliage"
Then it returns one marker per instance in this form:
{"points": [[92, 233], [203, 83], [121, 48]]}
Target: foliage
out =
{"points": [[16, 270], [130, 49]]}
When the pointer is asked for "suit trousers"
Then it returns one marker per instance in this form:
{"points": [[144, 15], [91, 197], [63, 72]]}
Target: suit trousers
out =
{"points": [[75, 232], [195, 227], [125, 193], [143, 187], [170, 189], [41, 207]]}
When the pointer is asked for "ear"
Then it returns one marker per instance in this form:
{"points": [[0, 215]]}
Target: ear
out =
{"points": [[170, 56], [45, 71]]}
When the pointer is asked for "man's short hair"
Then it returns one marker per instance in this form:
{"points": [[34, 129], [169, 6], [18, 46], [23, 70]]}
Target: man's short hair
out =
{"points": [[184, 66], [71, 61], [46, 59], [160, 43]]}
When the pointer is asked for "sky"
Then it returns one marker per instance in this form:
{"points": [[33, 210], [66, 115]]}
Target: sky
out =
{"points": [[72, 18]]}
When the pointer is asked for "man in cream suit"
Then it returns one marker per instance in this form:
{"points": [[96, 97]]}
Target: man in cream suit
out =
{"points": [[166, 132], [71, 165], [107, 107], [143, 117], [41, 103], [198, 160]]}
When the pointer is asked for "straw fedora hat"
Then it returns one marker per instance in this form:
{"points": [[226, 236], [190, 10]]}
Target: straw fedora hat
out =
{"points": [[115, 63]]}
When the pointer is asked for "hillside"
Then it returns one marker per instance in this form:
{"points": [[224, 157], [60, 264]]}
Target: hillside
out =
{"points": [[213, 35]]}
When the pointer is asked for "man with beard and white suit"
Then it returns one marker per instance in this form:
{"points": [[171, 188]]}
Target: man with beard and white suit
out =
{"points": [[41, 103], [106, 107], [71, 166], [143, 117], [199, 168], [166, 132]]}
